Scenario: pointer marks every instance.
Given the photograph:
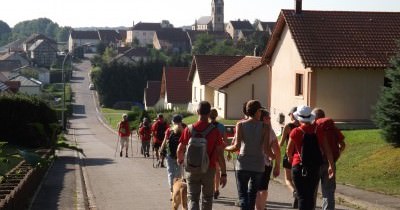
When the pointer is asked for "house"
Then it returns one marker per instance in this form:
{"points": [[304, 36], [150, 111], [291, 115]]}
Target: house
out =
{"points": [[32, 39], [133, 55], [152, 96], [8, 66], [143, 33], [15, 56], [203, 70], [15, 46], [28, 85], [245, 80], [13, 86], [110, 37], [204, 23], [42, 53], [176, 90], [334, 60], [233, 28], [4, 88], [265, 26], [42, 74], [171, 40], [87, 39]]}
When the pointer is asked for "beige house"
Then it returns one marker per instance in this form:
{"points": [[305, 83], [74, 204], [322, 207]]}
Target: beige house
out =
{"points": [[329, 59], [143, 33], [233, 28], [87, 39], [203, 70], [245, 80]]}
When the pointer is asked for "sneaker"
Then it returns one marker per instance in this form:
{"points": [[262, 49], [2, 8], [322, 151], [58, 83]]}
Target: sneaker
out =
{"points": [[120, 154], [216, 194]]}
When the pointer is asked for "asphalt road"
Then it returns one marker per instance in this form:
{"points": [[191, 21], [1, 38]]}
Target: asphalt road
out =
{"points": [[132, 183]]}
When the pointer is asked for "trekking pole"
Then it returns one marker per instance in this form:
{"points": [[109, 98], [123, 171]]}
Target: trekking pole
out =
{"points": [[137, 146], [116, 148], [131, 145]]}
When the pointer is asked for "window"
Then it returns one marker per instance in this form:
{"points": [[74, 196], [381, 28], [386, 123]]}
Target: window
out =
{"points": [[219, 10], [299, 85]]}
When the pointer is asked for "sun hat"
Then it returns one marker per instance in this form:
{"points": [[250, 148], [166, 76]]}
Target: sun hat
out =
{"points": [[124, 116], [304, 114]]}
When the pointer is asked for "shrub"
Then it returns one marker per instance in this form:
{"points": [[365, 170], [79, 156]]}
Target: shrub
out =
{"points": [[387, 109], [26, 120]]}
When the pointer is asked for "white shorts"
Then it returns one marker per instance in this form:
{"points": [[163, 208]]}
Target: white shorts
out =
{"points": [[124, 142]]}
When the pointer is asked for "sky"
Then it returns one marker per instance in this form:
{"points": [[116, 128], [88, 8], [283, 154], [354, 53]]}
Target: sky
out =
{"points": [[101, 13]]}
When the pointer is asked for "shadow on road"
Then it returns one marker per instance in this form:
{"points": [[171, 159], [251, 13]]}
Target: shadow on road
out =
{"points": [[78, 109], [98, 161]]}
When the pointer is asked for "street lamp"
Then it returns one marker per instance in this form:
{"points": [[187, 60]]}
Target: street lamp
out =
{"points": [[63, 81]]}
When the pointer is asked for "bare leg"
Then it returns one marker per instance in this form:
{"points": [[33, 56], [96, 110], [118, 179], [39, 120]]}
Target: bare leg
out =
{"points": [[261, 199]]}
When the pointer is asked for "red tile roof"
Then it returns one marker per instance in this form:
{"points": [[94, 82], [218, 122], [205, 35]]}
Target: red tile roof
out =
{"points": [[178, 88], [211, 66], [235, 72], [152, 92], [339, 38]]}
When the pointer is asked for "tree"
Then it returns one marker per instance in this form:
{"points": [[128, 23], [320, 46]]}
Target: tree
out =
{"points": [[5, 32], [387, 109], [203, 44], [63, 34], [101, 47]]}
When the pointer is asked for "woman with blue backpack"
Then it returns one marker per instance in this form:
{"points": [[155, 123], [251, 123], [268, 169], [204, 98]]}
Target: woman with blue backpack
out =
{"points": [[169, 146]]}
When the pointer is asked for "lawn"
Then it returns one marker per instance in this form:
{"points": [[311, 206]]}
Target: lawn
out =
{"points": [[113, 116], [369, 162]]}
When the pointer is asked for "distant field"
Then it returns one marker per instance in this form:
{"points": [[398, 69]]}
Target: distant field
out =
{"points": [[113, 116]]}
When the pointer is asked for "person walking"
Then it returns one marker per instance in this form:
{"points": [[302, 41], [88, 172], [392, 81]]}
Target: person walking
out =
{"points": [[221, 128], [124, 132], [252, 138], [335, 140], [304, 152], [170, 145], [202, 181], [262, 193], [285, 162], [158, 129], [145, 137]]}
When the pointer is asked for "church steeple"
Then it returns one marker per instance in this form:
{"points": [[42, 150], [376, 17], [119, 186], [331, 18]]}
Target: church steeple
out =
{"points": [[217, 15]]}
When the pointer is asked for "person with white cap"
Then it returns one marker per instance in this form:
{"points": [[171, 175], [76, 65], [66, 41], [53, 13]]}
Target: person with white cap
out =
{"points": [[304, 152], [124, 132]]}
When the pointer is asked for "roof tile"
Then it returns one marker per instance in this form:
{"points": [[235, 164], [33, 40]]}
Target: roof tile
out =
{"points": [[152, 92], [178, 88]]}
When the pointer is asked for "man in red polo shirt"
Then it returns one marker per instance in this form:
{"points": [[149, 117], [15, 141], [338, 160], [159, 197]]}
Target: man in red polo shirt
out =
{"points": [[335, 140], [158, 129], [203, 182]]}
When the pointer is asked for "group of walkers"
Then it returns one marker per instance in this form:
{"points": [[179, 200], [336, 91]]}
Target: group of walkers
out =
{"points": [[196, 153]]}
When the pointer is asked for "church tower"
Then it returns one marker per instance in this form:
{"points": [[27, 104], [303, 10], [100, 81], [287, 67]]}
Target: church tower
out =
{"points": [[217, 15]]}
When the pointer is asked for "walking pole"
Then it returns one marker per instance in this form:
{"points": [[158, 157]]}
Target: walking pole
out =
{"points": [[137, 146], [116, 148], [131, 145]]}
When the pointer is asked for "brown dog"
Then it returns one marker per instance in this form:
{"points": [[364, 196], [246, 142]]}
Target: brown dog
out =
{"points": [[179, 194]]}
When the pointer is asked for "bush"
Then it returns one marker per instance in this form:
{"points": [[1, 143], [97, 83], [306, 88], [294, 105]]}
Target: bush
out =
{"points": [[123, 105], [387, 109], [26, 121]]}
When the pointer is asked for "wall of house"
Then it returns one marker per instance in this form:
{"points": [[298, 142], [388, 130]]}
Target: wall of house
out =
{"points": [[285, 63], [44, 77], [197, 93], [219, 102], [145, 37], [229, 29], [347, 94], [129, 36], [251, 86]]}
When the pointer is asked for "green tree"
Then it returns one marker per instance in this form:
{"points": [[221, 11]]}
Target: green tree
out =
{"points": [[41, 25], [203, 44], [109, 54], [63, 34], [5, 32], [387, 109], [101, 47], [224, 48]]}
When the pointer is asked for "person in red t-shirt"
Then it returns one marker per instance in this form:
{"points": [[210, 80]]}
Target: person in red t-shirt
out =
{"points": [[124, 132], [306, 179], [335, 140], [158, 129], [145, 137], [203, 182]]}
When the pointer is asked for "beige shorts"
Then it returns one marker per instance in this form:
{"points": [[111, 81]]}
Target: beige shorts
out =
{"points": [[124, 142]]}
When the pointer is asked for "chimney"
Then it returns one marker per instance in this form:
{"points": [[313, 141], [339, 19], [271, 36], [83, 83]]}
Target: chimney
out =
{"points": [[298, 6]]}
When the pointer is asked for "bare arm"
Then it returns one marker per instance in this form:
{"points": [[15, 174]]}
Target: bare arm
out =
{"points": [[329, 156], [290, 150], [277, 152], [222, 165], [284, 136], [236, 140], [180, 153], [267, 146], [164, 143]]}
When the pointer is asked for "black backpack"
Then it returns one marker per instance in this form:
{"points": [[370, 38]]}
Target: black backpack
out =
{"points": [[311, 156], [161, 131], [173, 143]]}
